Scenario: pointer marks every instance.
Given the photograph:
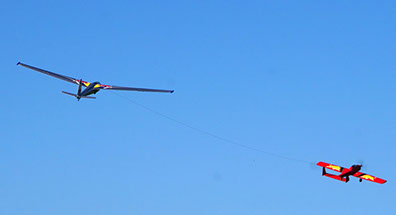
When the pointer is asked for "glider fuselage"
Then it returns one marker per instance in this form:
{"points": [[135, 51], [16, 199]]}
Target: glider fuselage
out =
{"points": [[92, 88]]}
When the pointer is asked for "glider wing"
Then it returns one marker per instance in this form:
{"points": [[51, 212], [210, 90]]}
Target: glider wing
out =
{"points": [[369, 177], [331, 166], [109, 87], [62, 77]]}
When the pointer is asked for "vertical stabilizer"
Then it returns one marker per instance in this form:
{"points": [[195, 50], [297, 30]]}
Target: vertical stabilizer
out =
{"points": [[79, 87]]}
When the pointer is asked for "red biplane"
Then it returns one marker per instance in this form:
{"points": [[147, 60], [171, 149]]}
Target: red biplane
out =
{"points": [[346, 172]]}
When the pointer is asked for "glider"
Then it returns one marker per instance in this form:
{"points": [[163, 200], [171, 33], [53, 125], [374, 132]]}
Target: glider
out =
{"points": [[346, 172], [91, 88]]}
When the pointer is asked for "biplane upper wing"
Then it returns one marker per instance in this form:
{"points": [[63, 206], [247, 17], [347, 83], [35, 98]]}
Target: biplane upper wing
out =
{"points": [[331, 166], [369, 177], [109, 87], [62, 77]]}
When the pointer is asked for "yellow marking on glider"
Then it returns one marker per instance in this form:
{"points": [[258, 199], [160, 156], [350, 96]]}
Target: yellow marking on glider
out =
{"points": [[97, 85], [333, 167]]}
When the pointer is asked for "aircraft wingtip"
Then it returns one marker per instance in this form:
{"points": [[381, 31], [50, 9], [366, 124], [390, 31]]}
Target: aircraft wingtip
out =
{"points": [[172, 91], [18, 63]]}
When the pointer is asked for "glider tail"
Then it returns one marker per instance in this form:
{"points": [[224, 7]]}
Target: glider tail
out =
{"points": [[79, 87], [77, 96]]}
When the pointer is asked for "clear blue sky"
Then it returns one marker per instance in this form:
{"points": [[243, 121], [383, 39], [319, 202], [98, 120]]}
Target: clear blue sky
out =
{"points": [[313, 80]]}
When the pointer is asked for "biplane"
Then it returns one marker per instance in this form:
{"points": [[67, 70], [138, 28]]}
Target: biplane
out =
{"points": [[91, 88], [346, 172]]}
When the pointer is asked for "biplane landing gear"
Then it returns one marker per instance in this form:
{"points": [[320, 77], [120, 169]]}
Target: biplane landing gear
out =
{"points": [[360, 180]]}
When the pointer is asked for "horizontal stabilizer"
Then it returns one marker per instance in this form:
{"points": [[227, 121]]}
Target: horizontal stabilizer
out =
{"points": [[70, 94], [88, 97], [78, 97], [336, 177]]}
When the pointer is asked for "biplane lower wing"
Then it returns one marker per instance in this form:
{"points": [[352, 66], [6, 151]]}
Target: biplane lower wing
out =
{"points": [[369, 177], [331, 166]]}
